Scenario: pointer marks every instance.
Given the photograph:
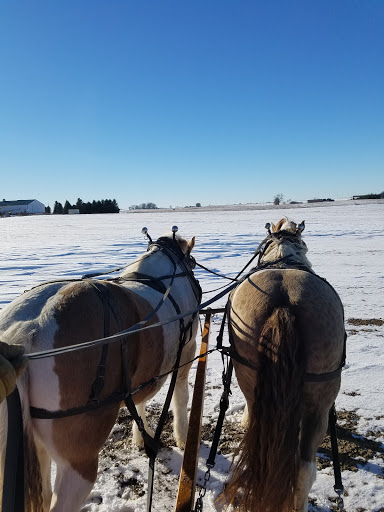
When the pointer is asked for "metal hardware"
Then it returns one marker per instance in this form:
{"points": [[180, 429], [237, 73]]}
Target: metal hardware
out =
{"points": [[339, 499], [145, 232], [203, 490]]}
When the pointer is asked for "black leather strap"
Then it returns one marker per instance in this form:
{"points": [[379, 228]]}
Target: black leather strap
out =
{"points": [[13, 484]]}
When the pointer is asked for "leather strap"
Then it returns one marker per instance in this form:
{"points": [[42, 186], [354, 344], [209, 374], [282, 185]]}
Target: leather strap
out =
{"points": [[13, 484]]}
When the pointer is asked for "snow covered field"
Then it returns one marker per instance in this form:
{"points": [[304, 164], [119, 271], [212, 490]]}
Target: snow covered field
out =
{"points": [[346, 246]]}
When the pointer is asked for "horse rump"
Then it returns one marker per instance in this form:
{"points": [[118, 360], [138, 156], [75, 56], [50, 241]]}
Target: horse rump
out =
{"points": [[265, 474]]}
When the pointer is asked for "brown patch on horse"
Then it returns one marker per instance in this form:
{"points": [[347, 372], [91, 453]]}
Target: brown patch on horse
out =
{"points": [[191, 245], [77, 370], [186, 246]]}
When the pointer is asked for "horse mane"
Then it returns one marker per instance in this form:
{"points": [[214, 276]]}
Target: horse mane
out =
{"points": [[292, 247]]}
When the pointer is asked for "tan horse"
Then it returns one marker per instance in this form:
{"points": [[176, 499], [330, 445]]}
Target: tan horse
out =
{"points": [[66, 313], [286, 322]]}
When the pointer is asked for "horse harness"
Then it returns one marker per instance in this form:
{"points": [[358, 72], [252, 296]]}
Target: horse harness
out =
{"points": [[151, 444], [13, 495], [232, 354], [179, 259], [284, 263]]}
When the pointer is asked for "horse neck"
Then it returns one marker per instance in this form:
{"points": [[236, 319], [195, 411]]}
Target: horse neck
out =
{"points": [[155, 264], [287, 249]]}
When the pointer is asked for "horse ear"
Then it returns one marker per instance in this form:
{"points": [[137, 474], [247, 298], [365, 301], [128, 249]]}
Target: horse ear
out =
{"points": [[279, 225], [301, 226], [191, 245], [273, 227]]}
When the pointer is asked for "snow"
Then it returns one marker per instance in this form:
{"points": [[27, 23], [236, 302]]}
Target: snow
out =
{"points": [[345, 245]]}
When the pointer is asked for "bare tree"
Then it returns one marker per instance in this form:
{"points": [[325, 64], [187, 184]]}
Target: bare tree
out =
{"points": [[278, 199]]}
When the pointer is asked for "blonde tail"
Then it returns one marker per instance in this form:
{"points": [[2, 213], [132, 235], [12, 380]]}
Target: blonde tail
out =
{"points": [[266, 472]]}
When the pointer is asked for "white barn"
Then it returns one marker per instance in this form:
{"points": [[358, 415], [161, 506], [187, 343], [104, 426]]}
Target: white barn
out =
{"points": [[21, 206]]}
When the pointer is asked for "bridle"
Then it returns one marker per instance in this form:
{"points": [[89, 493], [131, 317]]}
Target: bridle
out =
{"points": [[171, 248], [279, 236]]}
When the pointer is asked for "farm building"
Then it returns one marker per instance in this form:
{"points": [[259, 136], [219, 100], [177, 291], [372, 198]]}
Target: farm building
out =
{"points": [[21, 206]]}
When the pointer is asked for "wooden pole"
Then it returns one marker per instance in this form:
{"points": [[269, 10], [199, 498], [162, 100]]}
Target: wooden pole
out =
{"points": [[187, 481]]}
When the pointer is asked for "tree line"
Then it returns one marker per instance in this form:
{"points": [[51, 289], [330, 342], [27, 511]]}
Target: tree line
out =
{"points": [[370, 196], [143, 206], [102, 206]]}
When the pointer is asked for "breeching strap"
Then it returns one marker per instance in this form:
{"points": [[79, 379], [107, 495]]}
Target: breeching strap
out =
{"points": [[338, 487], [224, 400], [13, 484], [224, 403]]}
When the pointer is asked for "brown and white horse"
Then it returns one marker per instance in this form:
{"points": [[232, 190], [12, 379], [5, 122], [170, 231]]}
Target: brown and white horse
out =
{"points": [[59, 314], [287, 323]]}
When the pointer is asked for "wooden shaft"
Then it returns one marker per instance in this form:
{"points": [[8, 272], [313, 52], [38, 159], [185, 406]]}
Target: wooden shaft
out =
{"points": [[187, 481]]}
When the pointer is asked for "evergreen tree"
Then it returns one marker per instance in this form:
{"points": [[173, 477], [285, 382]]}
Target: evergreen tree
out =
{"points": [[101, 206], [87, 207], [80, 205], [67, 206], [58, 208]]}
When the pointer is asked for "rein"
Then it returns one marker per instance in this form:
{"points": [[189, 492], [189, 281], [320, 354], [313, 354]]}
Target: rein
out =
{"points": [[152, 444], [134, 328], [259, 252]]}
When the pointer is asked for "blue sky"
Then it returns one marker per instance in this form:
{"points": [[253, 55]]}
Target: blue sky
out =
{"points": [[177, 102]]}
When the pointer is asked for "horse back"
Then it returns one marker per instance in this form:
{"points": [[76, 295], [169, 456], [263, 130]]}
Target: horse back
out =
{"points": [[61, 314], [314, 305]]}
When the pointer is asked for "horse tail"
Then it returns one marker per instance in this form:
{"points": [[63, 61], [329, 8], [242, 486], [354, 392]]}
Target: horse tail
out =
{"points": [[267, 468], [33, 490]]}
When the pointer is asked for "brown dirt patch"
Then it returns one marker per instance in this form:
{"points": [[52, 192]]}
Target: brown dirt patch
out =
{"points": [[355, 450], [230, 438], [360, 321]]}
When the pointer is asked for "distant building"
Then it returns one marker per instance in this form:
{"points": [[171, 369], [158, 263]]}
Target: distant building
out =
{"points": [[21, 206], [73, 211], [320, 200]]}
